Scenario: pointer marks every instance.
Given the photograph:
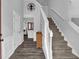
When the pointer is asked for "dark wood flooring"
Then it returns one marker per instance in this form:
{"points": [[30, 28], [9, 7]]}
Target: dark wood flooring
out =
{"points": [[28, 50]]}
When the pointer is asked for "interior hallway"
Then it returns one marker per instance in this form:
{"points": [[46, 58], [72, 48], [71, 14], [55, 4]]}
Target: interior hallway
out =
{"points": [[28, 50]]}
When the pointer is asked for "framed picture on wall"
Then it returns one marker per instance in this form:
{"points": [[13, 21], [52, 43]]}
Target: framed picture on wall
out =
{"points": [[30, 25]]}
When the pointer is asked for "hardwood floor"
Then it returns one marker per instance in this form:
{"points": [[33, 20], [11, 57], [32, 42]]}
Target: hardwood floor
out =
{"points": [[28, 50]]}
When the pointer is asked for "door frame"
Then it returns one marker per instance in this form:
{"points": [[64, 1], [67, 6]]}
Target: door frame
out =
{"points": [[0, 34]]}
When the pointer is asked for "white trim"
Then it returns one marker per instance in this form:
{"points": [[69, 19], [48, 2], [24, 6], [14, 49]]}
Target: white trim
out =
{"points": [[46, 47], [75, 52], [68, 43], [11, 52], [74, 26], [58, 13]]}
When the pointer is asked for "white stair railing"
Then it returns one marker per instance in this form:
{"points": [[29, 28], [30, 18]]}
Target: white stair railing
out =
{"points": [[47, 34]]}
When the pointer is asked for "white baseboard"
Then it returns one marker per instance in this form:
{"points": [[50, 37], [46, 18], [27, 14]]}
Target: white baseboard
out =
{"points": [[11, 52], [58, 27], [69, 45], [74, 52]]}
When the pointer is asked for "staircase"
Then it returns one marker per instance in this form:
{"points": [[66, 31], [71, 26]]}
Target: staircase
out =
{"points": [[60, 48], [28, 50]]}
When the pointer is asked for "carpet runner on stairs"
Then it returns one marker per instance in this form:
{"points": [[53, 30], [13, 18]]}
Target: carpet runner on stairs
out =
{"points": [[28, 50], [60, 48]]}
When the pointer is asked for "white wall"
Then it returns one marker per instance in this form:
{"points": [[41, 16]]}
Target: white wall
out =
{"points": [[43, 2], [7, 27], [35, 15], [60, 6], [74, 9], [10, 35], [45, 8], [7, 18]]}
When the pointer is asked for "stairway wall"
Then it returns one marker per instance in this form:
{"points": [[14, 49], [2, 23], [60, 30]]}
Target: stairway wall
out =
{"points": [[45, 8], [74, 9], [12, 15], [43, 2], [67, 9], [61, 12], [71, 36], [60, 6]]}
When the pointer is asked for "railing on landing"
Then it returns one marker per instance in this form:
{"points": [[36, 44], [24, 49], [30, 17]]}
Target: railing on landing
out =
{"points": [[47, 34]]}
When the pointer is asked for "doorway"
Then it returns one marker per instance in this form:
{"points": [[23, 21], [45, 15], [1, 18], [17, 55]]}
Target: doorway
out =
{"points": [[0, 31], [29, 26]]}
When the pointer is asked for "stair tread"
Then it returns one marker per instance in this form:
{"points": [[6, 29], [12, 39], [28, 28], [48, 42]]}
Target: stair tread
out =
{"points": [[27, 57], [60, 48]]}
